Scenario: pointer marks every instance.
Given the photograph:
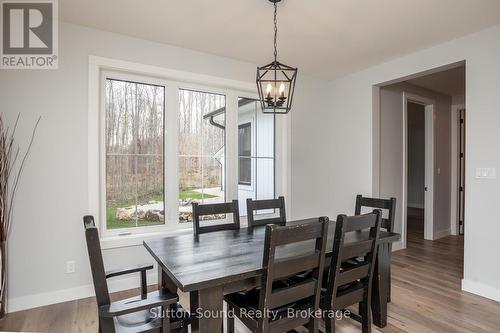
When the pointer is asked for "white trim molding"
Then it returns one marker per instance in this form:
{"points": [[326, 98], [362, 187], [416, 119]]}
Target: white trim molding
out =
{"points": [[441, 233], [481, 289], [429, 165]]}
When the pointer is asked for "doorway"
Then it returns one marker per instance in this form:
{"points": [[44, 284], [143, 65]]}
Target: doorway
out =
{"points": [[418, 175], [441, 92], [415, 170]]}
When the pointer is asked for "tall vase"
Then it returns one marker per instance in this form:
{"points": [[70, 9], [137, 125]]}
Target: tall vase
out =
{"points": [[3, 278]]}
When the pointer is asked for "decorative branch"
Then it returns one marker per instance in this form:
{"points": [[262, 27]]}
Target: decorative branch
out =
{"points": [[9, 154]]}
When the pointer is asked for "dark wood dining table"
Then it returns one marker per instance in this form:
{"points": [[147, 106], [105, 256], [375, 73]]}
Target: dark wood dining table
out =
{"points": [[210, 265]]}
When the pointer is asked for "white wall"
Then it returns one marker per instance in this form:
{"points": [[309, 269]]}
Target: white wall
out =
{"points": [[52, 196], [262, 137], [352, 106]]}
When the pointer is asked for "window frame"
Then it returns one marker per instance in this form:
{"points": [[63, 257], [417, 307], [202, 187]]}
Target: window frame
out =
{"points": [[205, 90], [139, 79], [172, 80], [244, 125]]}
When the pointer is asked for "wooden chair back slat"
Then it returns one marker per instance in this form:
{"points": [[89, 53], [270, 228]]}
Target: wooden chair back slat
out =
{"points": [[358, 249], [257, 205], [348, 299], [96, 263], [354, 274], [359, 222], [215, 209], [275, 268], [360, 276], [298, 233], [385, 204], [288, 267], [289, 295]]}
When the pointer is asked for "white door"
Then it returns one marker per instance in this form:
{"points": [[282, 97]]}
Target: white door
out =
{"points": [[429, 173]]}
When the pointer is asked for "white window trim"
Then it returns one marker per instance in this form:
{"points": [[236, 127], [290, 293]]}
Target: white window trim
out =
{"points": [[177, 80], [247, 186]]}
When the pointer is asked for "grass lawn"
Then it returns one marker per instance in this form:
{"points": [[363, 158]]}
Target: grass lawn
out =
{"points": [[194, 195], [114, 223]]}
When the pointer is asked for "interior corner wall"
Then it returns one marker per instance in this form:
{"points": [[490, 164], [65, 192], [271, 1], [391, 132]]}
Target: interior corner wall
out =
{"points": [[352, 152]]}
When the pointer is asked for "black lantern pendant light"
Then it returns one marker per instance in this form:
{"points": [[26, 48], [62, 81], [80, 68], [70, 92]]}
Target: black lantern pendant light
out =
{"points": [[276, 81]]}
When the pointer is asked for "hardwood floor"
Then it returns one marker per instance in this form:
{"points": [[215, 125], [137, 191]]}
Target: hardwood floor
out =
{"points": [[426, 297]]}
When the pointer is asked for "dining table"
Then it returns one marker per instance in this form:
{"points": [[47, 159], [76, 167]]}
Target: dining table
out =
{"points": [[211, 265]]}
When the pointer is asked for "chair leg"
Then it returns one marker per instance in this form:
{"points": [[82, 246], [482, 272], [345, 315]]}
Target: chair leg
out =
{"points": [[313, 325], [364, 312], [230, 325], [330, 325], [165, 324], [230, 321]]}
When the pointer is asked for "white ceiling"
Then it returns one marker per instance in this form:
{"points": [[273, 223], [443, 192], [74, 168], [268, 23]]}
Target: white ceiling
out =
{"points": [[450, 82], [325, 38]]}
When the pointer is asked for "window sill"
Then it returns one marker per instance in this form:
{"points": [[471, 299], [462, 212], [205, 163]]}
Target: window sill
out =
{"points": [[113, 242]]}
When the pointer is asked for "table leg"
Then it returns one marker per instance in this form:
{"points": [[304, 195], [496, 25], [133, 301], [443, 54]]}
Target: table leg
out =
{"points": [[194, 305], [389, 283], [166, 284], [380, 286], [210, 304]]}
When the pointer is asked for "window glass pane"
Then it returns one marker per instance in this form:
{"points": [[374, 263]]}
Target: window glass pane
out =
{"points": [[245, 153], [256, 153], [245, 139], [245, 171], [134, 127], [202, 150]]}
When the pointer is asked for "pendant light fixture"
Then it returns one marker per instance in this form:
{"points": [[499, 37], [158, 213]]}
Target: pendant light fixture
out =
{"points": [[276, 81]]}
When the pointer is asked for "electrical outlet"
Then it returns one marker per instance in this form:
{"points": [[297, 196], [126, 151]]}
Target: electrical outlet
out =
{"points": [[70, 266]]}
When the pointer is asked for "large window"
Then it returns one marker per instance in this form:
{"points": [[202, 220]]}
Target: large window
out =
{"points": [[164, 145], [256, 160], [134, 137], [202, 151]]}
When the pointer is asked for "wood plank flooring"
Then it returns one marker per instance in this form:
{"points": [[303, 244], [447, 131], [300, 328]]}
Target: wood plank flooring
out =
{"points": [[426, 297]]}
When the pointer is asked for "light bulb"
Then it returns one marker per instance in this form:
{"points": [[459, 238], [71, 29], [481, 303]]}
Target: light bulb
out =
{"points": [[282, 90], [269, 89]]}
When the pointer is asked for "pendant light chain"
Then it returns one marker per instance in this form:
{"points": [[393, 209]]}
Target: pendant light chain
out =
{"points": [[276, 81], [275, 32]]}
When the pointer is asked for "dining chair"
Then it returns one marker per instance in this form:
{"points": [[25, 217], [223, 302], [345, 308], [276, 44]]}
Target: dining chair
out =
{"points": [[214, 210], [387, 223], [259, 205], [352, 285], [144, 313], [279, 262], [388, 205]]}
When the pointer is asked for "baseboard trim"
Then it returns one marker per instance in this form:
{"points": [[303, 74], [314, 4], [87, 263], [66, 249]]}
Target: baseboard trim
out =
{"points": [[397, 246], [441, 234], [481, 289], [416, 205], [71, 294]]}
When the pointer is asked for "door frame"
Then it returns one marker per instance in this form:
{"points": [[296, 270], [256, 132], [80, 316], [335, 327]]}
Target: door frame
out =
{"points": [[429, 165]]}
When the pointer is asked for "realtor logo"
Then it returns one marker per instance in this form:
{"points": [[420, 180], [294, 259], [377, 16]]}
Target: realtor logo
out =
{"points": [[29, 34]]}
